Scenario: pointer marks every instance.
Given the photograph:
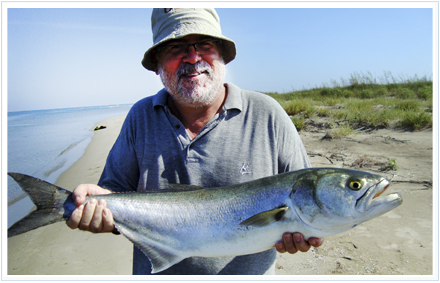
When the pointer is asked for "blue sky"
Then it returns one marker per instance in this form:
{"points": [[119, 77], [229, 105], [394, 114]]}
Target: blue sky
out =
{"points": [[69, 57]]}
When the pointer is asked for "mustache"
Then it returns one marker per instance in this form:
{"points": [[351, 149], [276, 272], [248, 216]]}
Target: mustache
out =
{"points": [[199, 67]]}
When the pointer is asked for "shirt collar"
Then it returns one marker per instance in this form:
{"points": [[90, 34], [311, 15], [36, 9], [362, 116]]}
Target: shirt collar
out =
{"points": [[233, 100], [160, 99]]}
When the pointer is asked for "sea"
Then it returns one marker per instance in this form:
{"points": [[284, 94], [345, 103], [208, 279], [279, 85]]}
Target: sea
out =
{"points": [[44, 143]]}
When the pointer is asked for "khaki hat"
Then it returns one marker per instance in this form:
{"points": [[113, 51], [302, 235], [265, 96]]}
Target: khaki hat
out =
{"points": [[174, 23]]}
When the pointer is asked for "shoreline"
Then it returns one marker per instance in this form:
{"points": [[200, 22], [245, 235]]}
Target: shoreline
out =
{"points": [[44, 143], [57, 250], [88, 168], [112, 137], [16, 199], [18, 207]]}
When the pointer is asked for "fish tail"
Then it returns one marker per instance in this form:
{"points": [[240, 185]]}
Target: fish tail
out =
{"points": [[53, 204]]}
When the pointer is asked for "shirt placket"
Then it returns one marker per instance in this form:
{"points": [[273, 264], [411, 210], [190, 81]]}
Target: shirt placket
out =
{"points": [[188, 144], [178, 129], [191, 150]]}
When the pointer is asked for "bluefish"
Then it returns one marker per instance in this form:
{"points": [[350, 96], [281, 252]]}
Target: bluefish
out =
{"points": [[183, 221]]}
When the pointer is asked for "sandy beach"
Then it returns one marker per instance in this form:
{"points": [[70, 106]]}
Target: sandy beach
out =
{"points": [[397, 243]]}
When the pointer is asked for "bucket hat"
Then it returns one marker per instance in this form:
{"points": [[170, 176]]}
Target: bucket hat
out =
{"points": [[174, 23]]}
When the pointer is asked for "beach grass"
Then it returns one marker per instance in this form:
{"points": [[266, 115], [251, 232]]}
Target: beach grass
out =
{"points": [[363, 101]]}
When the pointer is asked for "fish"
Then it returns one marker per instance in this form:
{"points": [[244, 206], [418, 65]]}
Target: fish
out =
{"points": [[183, 221]]}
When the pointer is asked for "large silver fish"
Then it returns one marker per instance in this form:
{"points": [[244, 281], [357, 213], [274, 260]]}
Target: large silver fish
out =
{"points": [[185, 221]]}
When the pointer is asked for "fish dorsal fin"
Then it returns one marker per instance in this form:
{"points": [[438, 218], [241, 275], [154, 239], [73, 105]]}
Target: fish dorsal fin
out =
{"points": [[160, 255], [265, 218]]}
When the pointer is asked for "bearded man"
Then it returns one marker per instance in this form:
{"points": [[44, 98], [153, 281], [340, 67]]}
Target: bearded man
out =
{"points": [[200, 131]]}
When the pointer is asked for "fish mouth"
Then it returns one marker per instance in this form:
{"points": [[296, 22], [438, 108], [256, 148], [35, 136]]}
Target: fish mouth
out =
{"points": [[372, 199]]}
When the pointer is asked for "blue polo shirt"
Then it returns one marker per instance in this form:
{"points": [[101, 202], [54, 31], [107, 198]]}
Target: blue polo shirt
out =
{"points": [[252, 137]]}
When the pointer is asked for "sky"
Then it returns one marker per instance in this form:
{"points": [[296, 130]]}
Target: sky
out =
{"points": [[75, 57]]}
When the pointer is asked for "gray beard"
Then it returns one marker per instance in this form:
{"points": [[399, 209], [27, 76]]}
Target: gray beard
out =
{"points": [[194, 93]]}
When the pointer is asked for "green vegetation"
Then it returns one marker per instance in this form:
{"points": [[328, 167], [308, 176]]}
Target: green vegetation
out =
{"points": [[299, 123], [390, 165], [367, 161], [363, 102]]}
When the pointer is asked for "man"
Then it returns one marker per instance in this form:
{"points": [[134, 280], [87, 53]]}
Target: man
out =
{"points": [[198, 131]]}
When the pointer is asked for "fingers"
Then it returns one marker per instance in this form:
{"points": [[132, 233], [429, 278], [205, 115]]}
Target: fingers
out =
{"points": [[280, 247], [292, 243], [75, 218], [316, 242], [295, 242], [87, 216], [79, 194], [107, 218], [94, 216], [102, 219], [82, 215], [96, 223]]}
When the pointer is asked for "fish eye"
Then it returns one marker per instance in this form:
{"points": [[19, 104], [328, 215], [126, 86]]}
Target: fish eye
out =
{"points": [[355, 185]]}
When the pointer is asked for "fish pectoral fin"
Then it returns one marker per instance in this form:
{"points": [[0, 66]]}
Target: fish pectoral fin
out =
{"points": [[265, 218], [161, 256]]}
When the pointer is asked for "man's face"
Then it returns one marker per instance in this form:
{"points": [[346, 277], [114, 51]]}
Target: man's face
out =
{"points": [[193, 78]]}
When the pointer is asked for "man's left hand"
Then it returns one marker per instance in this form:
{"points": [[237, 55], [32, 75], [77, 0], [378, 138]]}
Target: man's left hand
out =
{"points": [[294, 242]]}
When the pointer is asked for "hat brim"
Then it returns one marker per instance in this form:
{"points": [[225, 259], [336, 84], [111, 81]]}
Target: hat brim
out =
{"points": [[228, 50]]}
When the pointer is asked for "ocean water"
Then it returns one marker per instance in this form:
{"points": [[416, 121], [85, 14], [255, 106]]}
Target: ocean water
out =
{"points": [[44, 143]]}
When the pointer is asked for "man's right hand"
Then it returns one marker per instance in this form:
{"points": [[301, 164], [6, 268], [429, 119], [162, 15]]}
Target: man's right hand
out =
{"points": [[94, 216]]}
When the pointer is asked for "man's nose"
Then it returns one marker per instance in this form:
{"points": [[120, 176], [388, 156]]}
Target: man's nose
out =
{"points": [[191, 56]]}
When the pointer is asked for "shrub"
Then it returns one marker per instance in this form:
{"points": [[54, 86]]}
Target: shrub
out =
{"points": [[382, 91], [363, 101], [330, 101], [358, 105], [331, 92], [367, 93], [390, 165], [323, 112], [405, 93], [339, 114], [425, 92], [347, 93], [299, 123], [343, 130], [408, 105], [298, 105], [416, 120]]}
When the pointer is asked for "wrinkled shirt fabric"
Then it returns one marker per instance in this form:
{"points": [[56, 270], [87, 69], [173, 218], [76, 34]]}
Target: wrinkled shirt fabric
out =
{"points": [[252, 137]]}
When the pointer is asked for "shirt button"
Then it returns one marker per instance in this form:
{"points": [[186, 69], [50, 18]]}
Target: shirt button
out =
{"points": [[177, 126], [191, 145]]}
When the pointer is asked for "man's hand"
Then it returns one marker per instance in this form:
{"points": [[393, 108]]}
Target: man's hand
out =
{"points": [[295, 242], [94, 216]]}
